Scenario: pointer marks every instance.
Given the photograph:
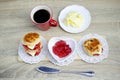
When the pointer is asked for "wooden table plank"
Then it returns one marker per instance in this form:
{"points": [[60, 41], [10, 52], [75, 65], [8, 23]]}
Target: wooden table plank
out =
{"points": [[15, 22]]}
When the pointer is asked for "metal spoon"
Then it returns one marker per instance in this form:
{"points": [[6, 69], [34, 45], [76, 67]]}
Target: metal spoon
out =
{"points": [[45, 69]]}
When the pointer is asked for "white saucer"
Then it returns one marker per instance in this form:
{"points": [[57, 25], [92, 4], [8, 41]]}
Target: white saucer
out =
{"points": [[93, 59], [30, 59], [81, 10]]}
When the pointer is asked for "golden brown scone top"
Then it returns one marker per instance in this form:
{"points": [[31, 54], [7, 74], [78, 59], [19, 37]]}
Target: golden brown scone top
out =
{"points": [[92, 44], [31, 37]]}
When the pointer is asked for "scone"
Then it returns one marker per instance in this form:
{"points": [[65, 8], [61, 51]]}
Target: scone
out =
{"points": [[93, 47], [32, 44]]}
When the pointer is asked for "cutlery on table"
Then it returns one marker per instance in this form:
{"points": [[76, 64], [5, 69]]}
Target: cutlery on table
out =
{"points": [[45, 69]]}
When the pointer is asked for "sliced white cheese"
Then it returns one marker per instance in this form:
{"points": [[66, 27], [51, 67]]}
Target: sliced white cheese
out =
{"points": [[31, 52], [31, 45], [98, 51]]}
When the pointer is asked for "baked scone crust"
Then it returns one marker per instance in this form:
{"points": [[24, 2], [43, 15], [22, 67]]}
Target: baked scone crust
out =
{"points": [[92, 46], [31, 39]]}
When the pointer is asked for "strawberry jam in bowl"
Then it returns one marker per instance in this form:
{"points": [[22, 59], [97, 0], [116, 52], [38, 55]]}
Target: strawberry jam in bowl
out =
{"points": [[61, 48]]}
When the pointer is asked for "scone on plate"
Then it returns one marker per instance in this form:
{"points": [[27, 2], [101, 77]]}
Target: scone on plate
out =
{"points": [[93, 47], [32, 44]]}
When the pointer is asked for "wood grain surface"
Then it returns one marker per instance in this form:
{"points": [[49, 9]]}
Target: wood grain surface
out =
{"points": [[15, 22]]}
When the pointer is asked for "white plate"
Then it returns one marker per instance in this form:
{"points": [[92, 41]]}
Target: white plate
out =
{"points": [[30, 59], [81, 10], [92, 59]]}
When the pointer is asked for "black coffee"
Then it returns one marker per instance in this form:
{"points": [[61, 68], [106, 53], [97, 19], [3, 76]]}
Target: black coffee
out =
{"points": [[41, 16]]}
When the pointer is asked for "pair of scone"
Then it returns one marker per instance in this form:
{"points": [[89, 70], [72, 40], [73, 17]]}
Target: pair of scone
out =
{"points": [[32, 44]]}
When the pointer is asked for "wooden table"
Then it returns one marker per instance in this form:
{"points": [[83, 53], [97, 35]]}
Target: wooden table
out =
{"points": [[15, 22]]}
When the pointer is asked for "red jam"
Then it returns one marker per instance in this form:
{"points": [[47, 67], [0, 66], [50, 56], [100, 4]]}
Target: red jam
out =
{"points": [[61, 49], [98, 54]]}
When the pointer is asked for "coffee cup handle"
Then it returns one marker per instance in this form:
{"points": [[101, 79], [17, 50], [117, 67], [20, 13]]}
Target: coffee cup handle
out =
{"points": [[53, 23]]}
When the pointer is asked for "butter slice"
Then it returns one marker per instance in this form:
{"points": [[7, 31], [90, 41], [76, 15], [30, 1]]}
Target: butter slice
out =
{"points": [[73, 19], [31, 52]]}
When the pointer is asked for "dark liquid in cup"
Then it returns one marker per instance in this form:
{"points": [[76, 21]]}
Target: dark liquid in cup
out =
{"points": [[41, 16]]}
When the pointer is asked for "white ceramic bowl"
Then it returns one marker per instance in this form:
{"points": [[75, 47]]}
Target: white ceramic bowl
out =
{"points": [[69, 41]]}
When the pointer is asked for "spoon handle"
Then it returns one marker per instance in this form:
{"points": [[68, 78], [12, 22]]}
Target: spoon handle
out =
{"points": [[85, 73]]}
